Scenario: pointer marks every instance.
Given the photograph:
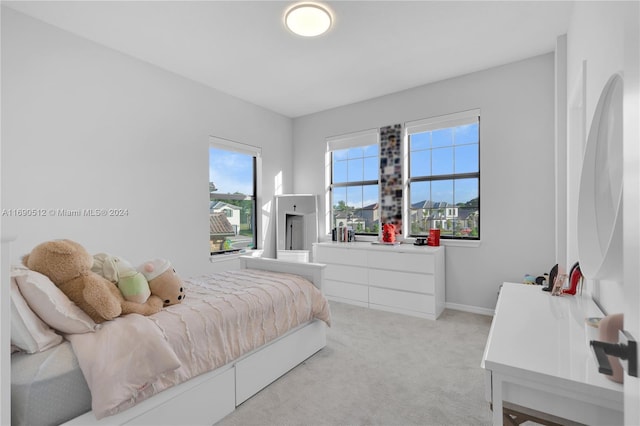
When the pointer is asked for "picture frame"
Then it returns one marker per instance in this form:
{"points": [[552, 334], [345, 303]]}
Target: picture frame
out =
{"points": [[558, 284]]}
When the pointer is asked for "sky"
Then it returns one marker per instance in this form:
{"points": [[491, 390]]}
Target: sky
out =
{"points": [[437, 152], [231, 172]]}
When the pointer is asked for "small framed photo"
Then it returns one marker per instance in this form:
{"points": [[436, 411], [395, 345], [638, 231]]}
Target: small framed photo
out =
{"points": [[558, 284]]}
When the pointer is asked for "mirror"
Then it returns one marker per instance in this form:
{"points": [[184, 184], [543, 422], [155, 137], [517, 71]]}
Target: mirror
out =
{"points": [[296, 226], [600, 196]]}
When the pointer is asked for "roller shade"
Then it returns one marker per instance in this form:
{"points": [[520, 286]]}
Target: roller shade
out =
{"points": [[352, 140], [241, 148], [443, 121]]}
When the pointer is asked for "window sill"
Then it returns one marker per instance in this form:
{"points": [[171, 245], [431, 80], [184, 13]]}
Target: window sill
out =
{"points": [[409, 240], [358, 238], [224, 257], [367, 238], [450, 243]]}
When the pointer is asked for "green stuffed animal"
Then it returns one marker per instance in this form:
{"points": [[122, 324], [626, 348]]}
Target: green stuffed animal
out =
{"points": [[132, 284]]}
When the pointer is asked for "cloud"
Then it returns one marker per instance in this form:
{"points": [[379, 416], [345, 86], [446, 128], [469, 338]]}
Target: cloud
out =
{"points": [[231, 172]]}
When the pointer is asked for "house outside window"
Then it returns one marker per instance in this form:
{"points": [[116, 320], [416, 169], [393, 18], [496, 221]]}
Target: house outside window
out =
{"points": [[444, 175], [232, 195], [353, 182]]}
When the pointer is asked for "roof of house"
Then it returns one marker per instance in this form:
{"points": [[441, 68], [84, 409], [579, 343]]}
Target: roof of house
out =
{"points": [[369, 207], [220, 225], [428, 204], [465, 212], [217, 205]]}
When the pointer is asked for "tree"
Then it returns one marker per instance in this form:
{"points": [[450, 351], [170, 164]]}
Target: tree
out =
{"points": [[471, 203], [342, 207]]}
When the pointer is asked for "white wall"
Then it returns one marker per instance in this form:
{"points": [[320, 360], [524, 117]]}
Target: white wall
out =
{"points": [[517, 167], [87, 127], [595, 38]]}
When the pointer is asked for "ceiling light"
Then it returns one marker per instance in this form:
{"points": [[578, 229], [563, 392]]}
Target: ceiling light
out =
{"points": [[308, 19]]}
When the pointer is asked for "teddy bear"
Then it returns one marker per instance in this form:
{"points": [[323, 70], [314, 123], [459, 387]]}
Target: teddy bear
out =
{"points": [[163, 281], [68, 266], [132, 284]]}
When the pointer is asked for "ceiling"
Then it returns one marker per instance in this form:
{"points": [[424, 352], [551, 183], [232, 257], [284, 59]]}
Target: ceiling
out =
{"points": [[374, 47]]}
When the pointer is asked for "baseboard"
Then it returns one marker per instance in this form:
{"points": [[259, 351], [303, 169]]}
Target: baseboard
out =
{"points": [[468, 308]]}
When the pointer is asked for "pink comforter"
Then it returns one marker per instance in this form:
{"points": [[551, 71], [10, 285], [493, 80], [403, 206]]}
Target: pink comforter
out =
{"points": [[223, 316]]}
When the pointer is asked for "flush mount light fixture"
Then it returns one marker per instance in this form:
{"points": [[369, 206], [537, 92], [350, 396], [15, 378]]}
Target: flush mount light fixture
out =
{"points": [[308, 19]]}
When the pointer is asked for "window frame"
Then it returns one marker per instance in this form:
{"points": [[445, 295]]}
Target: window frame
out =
{"points": [[256, 154], [362, 138], [431, 124]]}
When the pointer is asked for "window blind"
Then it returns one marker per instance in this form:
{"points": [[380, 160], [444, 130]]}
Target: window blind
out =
{"points": [[352, 140], [216, 142], [443, 121]]}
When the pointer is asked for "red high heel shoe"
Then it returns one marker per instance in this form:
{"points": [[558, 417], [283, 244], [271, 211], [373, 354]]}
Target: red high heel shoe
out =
{"points": [[575, 278]]}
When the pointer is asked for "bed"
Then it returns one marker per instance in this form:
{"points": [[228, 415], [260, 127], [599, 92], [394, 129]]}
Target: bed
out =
{"points": [[220, 353]]}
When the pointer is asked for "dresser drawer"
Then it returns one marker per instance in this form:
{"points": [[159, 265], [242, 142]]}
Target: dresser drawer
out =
{"points": [[403, 279], [343, 256], [419, 283], [409, 262], [352, 274], [402, 300], [344, 290]]}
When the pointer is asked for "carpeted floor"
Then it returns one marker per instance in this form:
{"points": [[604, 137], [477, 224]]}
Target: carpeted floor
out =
{"points": [[381, 368]]}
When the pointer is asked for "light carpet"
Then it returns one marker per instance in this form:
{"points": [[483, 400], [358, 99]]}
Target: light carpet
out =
{"points": [[381, 368]]}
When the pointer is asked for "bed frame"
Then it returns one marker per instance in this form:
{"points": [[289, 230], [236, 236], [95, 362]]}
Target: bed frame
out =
{"points": [[206, 399]]}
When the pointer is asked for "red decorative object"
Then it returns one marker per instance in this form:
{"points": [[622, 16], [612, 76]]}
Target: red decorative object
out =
{"points": [[434, 237], [388, 233]]}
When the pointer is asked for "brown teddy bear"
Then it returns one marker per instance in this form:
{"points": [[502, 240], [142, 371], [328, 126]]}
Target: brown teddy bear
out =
{"points": [[163, 280], [68, 266]]}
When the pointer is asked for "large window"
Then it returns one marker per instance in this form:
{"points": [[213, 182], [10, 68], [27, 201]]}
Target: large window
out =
{"points": [[232, 196], [354, 182], [444, 175]]}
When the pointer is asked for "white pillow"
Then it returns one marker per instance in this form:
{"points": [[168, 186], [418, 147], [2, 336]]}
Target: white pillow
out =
{"points": [[52, 305], [28, 332]]}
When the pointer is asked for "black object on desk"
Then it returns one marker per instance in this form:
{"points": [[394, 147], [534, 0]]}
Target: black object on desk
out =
{"points": [[552, 278]]}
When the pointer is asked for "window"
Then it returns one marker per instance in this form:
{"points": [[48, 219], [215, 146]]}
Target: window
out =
{"points": [[354, 182], [444, 175], [232, 196]]}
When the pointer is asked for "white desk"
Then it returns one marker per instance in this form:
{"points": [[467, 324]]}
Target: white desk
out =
{"points": [[537, 357]]}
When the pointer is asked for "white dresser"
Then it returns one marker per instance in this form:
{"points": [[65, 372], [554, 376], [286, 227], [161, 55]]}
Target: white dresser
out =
{"points": [[537, 359], [406, 279]]}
